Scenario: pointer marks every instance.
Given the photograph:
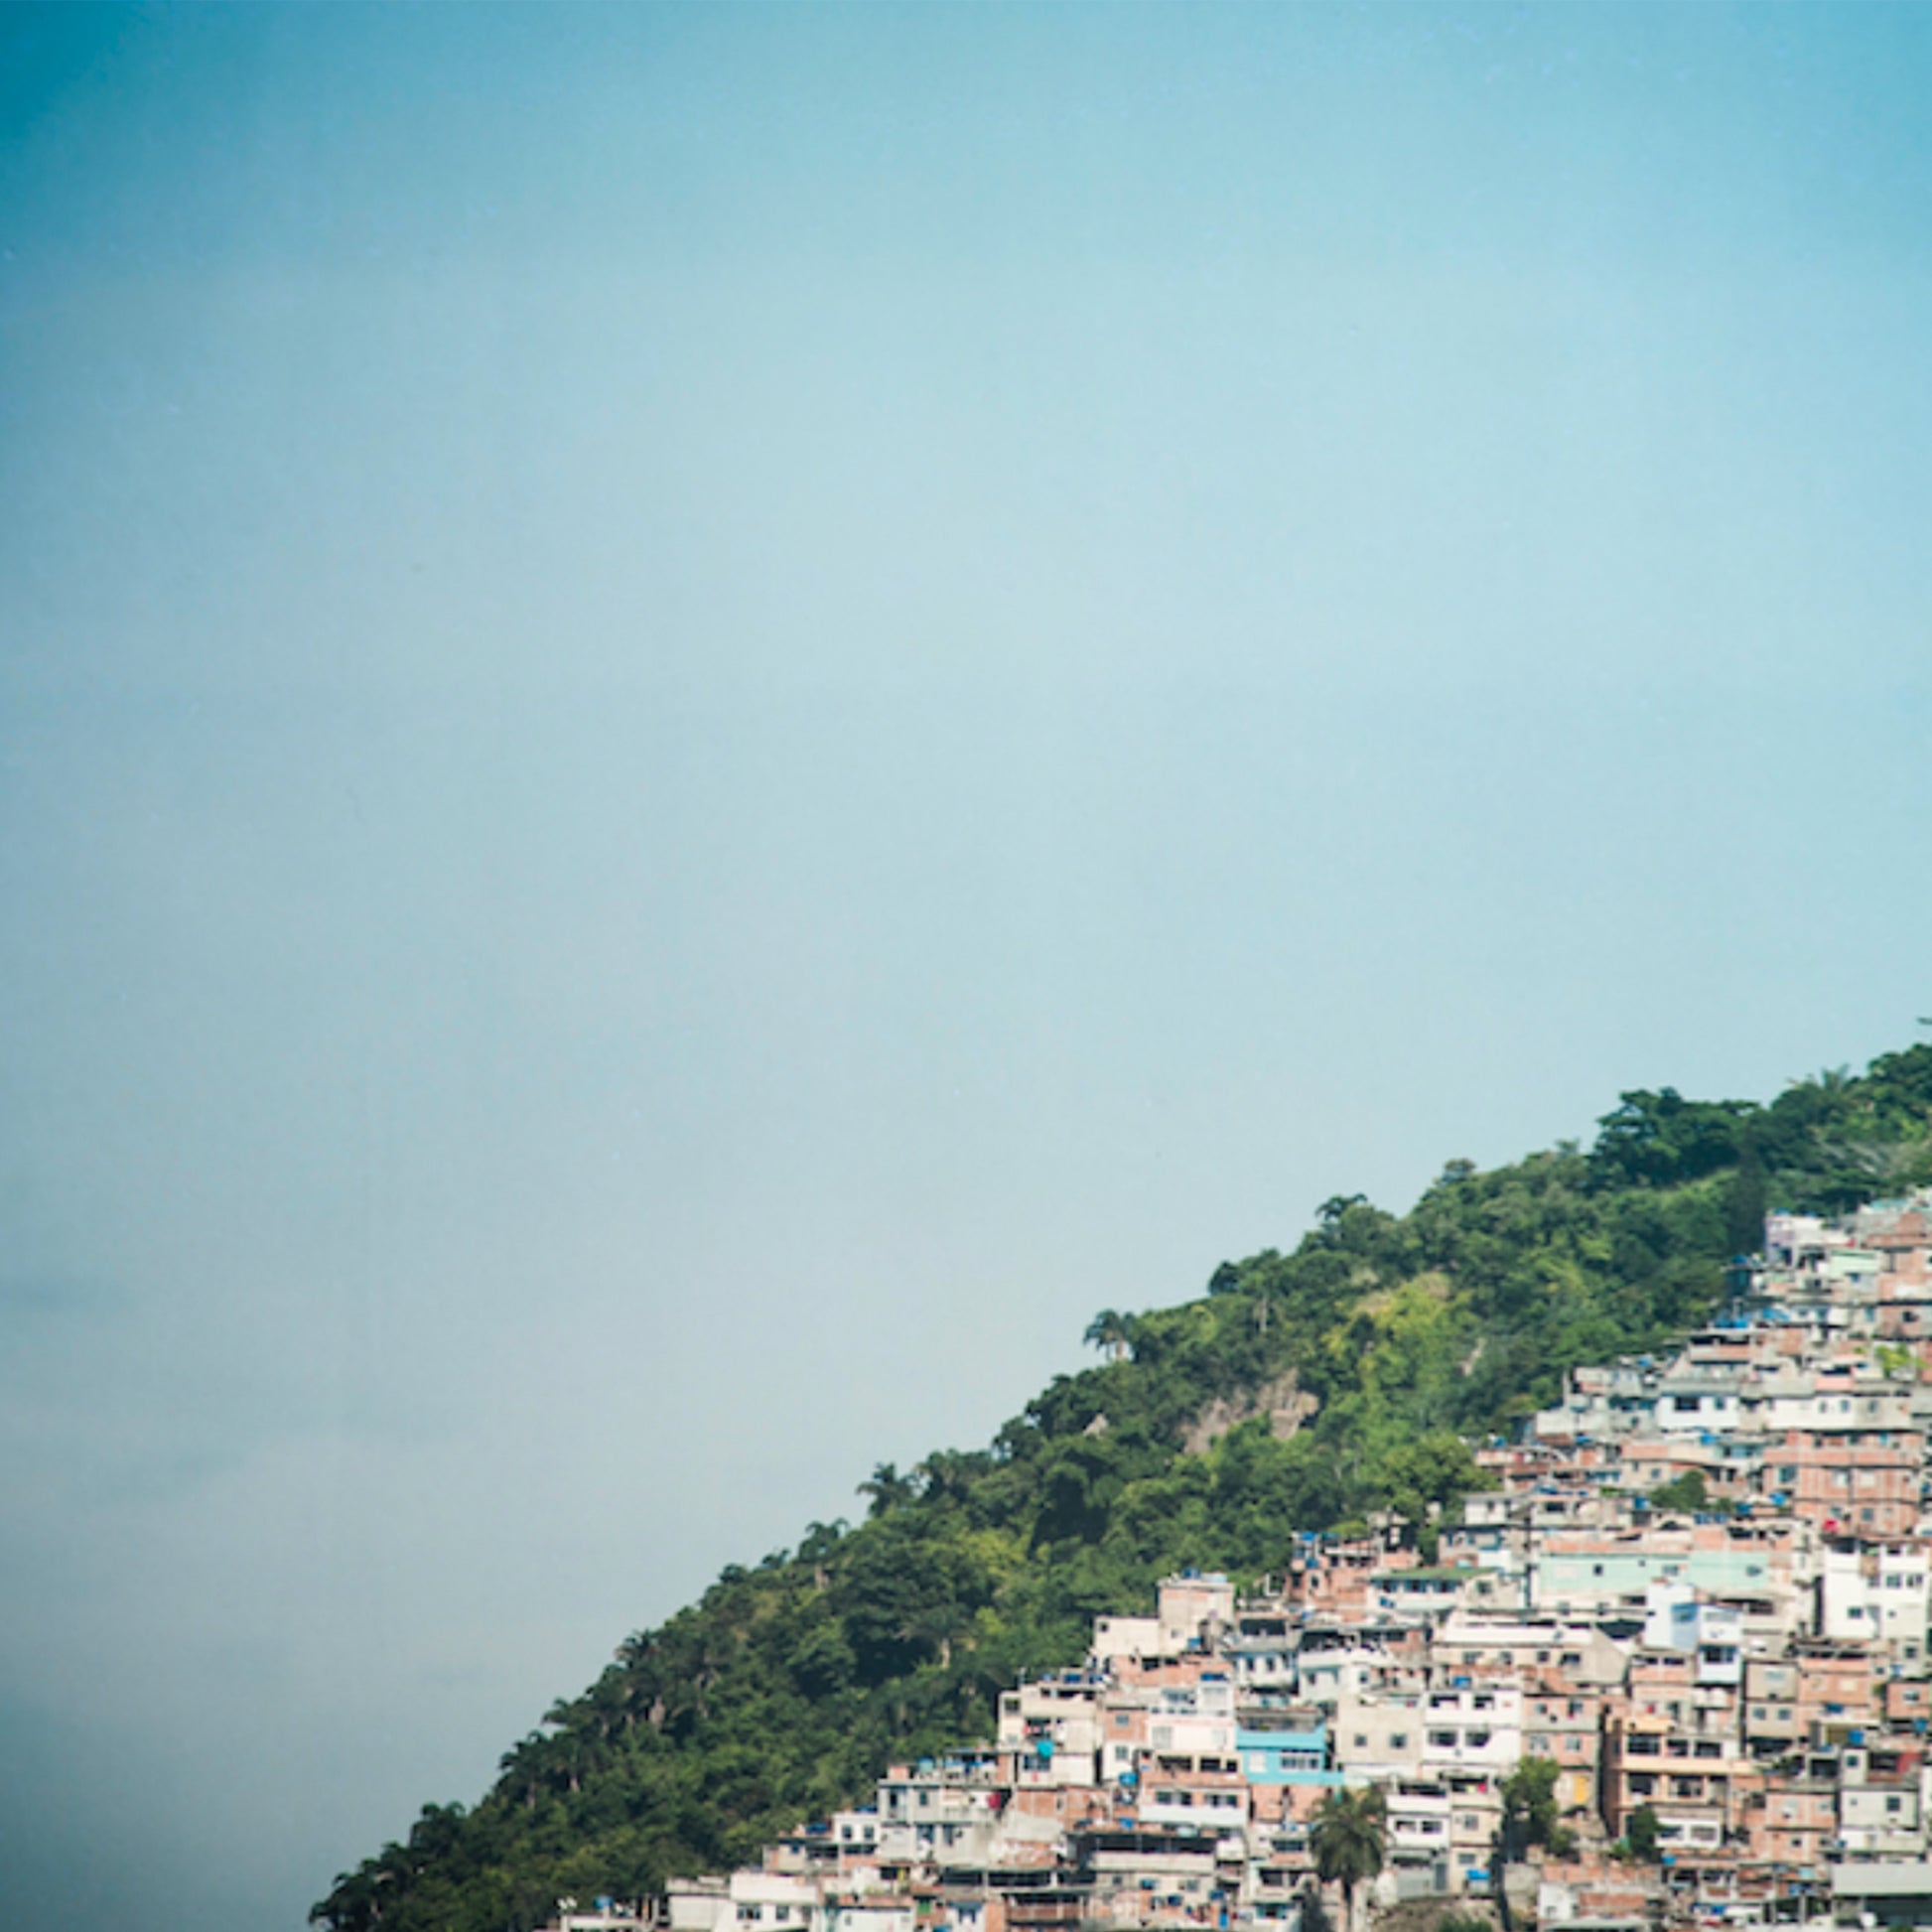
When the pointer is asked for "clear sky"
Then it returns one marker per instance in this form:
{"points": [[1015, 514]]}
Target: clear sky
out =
{"points": [[710, 717]]}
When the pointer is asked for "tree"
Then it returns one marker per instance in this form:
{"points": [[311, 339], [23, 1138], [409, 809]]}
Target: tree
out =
{"points": [[1112, 1332], [1641, 1833], [1659, 1140], [887, 1489], [1529, 1818], [1747, 1199], [1529, 1805], [1346, 1840], [1685, 1492]]}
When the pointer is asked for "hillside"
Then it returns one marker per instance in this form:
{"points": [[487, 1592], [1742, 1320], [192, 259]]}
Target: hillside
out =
{"points": [[1300, 1392]]}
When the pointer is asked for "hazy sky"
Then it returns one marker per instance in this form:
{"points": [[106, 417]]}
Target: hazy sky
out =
{"points": [[708, 718]]}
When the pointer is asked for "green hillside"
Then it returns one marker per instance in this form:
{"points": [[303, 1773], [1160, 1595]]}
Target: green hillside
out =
{"points": [[788, 1687]]}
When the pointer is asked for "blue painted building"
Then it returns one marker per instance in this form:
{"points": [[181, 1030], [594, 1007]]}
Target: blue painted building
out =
{"points": [[1297, 1756]]}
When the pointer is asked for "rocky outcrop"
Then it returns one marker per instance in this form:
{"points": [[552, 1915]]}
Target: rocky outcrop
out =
{"points": [[1283, 1401]]}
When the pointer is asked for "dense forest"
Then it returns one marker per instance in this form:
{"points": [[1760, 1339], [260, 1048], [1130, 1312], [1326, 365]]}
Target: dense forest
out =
{"points": [[1302, 1391]]}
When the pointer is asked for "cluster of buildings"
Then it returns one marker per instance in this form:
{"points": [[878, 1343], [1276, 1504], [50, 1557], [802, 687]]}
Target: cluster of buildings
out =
{"points": [[1739, 1690]]}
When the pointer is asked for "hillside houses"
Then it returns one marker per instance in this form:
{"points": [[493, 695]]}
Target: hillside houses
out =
{"points": [[1738, 1668]]}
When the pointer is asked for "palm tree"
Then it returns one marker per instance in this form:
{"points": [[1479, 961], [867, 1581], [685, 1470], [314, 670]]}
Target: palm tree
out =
{"points": [[944, 1476], [1112, 1332], [887, 1488], [1346, 1841]]}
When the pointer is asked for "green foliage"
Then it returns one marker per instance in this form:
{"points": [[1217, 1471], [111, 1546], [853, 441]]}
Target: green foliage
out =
{"points": [[1641, 1835], [1530, 1803], [1112, 1332], [1346, 1837], [1661, 1139], [786, 1689], [1685, 1492], [1894, 1358]]}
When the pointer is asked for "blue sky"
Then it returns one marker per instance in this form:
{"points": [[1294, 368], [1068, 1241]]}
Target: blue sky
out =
{"points": [[708, 717]]}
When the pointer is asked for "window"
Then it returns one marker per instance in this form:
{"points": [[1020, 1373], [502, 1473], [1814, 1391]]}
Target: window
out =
{"points": [[1397, 1740]]}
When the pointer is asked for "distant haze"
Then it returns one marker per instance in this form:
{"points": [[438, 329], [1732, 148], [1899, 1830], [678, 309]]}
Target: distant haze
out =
{"points": [[709, 717]]}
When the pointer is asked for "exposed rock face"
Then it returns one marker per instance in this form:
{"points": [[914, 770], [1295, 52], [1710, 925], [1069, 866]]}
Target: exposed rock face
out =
{"points": [[1283, 1401]]}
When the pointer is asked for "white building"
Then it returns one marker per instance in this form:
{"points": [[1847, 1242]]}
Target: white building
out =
{"points": [[1676, 1618], [1125, 1639], [1050, 1730], [1193, 1608], [1324, 1676], [940, 1814], [764, 1901], [1378, 1735], [1475, 1729]]}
